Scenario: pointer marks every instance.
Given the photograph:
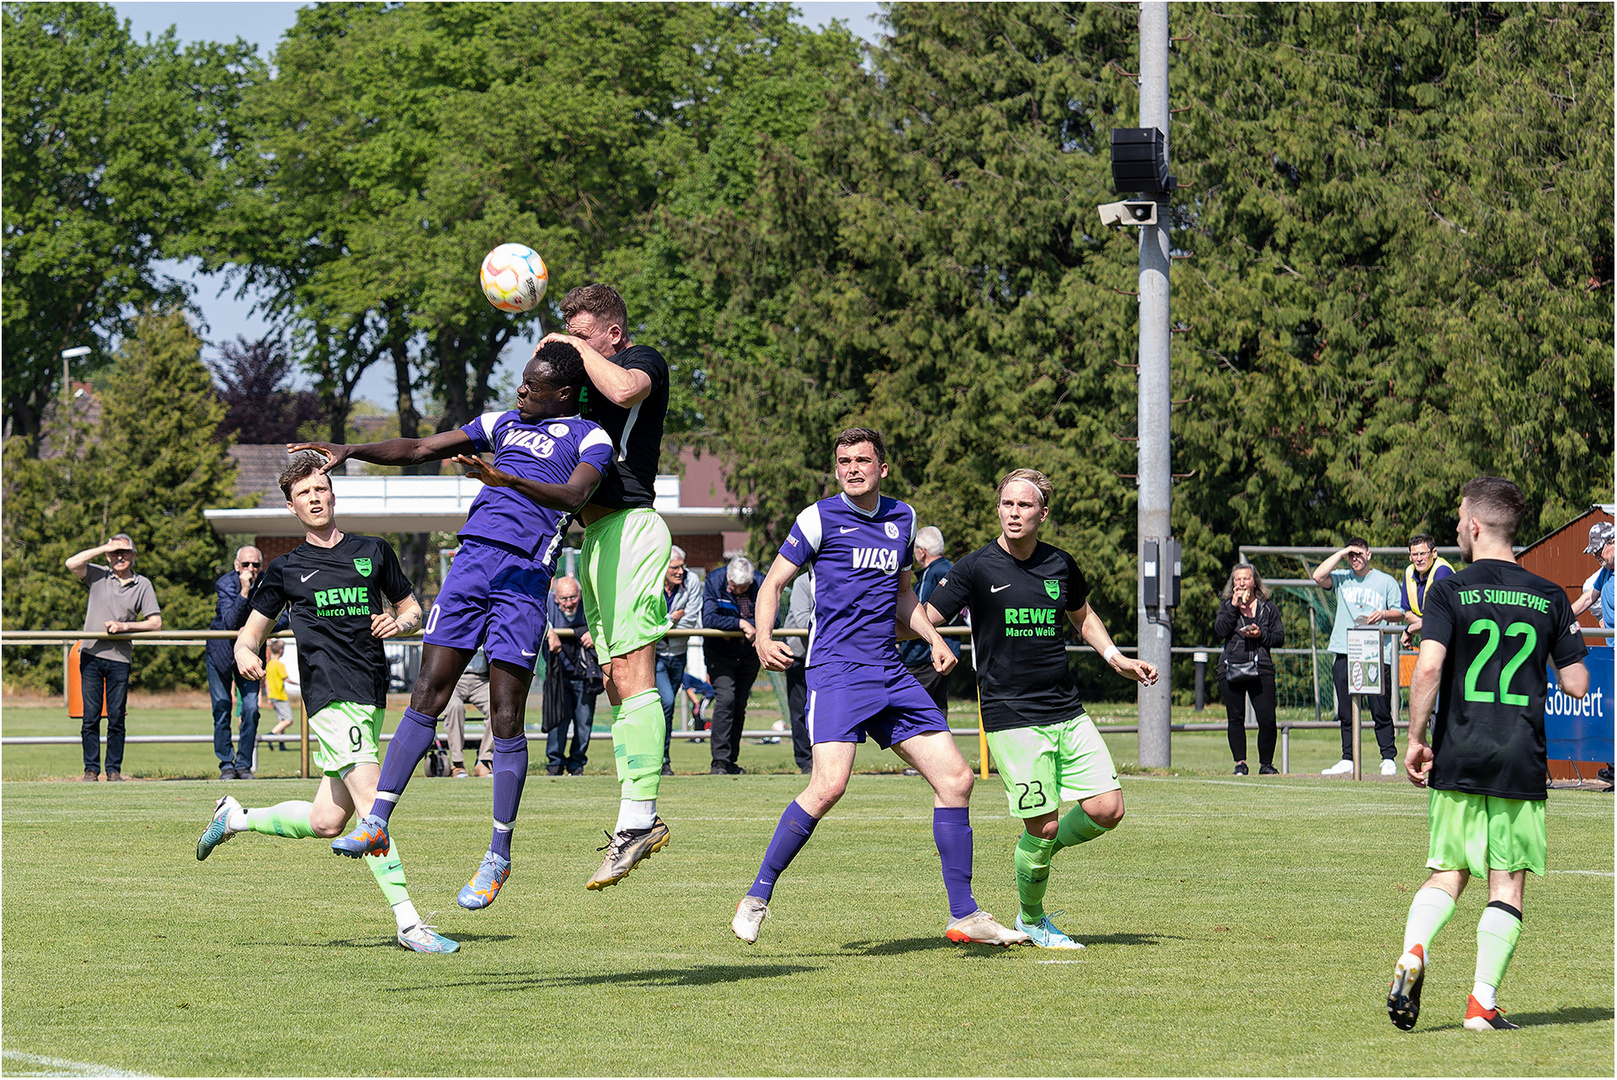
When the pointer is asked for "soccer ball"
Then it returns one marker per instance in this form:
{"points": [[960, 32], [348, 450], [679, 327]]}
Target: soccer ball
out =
{"points": [[513, 277]]}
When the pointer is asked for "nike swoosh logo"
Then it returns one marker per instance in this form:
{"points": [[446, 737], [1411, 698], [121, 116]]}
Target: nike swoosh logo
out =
{"points": [[525, 652], [309, 575], [999, 588], [848, 529]]}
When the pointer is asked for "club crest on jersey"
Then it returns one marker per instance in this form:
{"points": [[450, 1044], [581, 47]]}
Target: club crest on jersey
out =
{"points": [[1052, 589], [558, 430], [363, 566], [883, 559], [892, 530]]}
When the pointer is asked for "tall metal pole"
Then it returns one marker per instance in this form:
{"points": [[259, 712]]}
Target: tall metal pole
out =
{"points": [[1156, 466]]}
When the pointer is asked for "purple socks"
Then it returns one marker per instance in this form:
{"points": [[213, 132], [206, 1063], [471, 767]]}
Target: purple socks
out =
{"points": [[795, 827], [951, 830], [415, 735], [510, 773]]}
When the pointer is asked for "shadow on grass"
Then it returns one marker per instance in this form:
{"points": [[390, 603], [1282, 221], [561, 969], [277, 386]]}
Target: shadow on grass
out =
{"points": [[1574, 1015], [910, 945], [702, 975], [378, 943]]}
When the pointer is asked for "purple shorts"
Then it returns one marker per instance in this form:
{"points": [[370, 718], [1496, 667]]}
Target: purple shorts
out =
{"points": [[849, 701], [495, 599]]}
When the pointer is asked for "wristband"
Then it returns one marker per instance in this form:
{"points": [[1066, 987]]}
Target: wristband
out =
{"points": [[1111, 651]]}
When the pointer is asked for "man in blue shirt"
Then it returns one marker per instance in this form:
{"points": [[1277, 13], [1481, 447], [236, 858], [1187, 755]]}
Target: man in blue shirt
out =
{"points": [[1364, 597], [1600, 586], [230, 613]]}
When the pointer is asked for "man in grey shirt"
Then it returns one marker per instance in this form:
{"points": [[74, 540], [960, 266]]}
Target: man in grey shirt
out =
{"points": [[121, 601]]}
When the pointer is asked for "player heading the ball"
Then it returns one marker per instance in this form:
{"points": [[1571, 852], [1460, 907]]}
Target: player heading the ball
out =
{"points": [[547, 461]]}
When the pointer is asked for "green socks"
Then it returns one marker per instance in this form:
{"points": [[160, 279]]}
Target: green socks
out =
{"points": [[288, 819], [1033, 874], [1497, 933], [637, 744], [389, 873], [1077, 828], [1429, 912]]}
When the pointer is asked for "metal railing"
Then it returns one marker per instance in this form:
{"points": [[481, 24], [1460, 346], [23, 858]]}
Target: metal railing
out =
{"points": [[1200, 653]]}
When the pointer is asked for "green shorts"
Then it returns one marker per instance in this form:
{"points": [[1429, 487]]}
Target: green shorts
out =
{"points": [[1046, 765], [621, 571], [1481, 833], [349, 735]]}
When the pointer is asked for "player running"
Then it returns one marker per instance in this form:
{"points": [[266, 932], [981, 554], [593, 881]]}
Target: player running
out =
{"points": [[338, 587], [1040, 737], [547, 460], [1486, 635], [860, 545], [626, 550]]}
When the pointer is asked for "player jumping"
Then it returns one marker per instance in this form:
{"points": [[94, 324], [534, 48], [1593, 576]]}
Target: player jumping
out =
{"points": [[1047, 749], [547, 460], [1486, 635], [338, 586], [860, 545], [626, 550]]}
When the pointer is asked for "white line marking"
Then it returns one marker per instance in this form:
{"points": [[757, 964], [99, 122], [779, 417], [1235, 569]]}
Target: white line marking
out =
{"points": [[1058, 961], [1591, 873], [21, 1064]]}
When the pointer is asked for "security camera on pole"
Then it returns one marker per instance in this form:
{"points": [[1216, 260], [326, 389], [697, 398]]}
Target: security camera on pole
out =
{"points": [[1140, 164]]}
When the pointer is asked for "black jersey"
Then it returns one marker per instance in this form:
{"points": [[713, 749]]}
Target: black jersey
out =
{"points": [[332, 593], [637, 433], [1018, 631], [1500, 624]]}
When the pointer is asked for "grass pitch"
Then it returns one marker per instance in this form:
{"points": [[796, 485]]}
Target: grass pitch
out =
{"points": [[1236, 926]]}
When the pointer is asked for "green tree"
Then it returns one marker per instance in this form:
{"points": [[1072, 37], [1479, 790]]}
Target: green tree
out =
{"points": [[1394, 273], [149, 468], [397, 145], [112, 154]]}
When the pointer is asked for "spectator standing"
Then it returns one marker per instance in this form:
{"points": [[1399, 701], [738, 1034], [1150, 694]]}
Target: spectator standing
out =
{"points": [[1249, 624], [800, 616], [275, 690], [729, 602], [1601, 586], [225, 681], [684, 609], [931, 568], [472, 686], [581, 679], [1426, 568], [1364, 596], [120, 602]]}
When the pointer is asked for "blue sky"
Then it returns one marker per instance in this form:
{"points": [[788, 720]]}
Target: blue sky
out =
{"points": [[262, 24]]}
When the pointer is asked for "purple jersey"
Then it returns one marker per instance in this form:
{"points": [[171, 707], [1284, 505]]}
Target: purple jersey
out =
{"points": [[544, 450], [857, 557]]}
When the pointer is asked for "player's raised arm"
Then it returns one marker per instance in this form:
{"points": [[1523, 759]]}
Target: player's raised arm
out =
{"points": [[249, 640], [1093, 631], [775, 655], [567, 497], [434, 447]]}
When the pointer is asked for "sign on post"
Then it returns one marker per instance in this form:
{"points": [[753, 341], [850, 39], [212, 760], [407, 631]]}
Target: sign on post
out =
{"points": [[1364, 661]]}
